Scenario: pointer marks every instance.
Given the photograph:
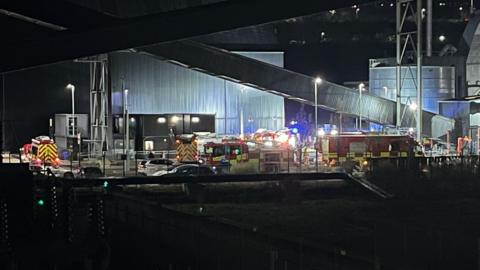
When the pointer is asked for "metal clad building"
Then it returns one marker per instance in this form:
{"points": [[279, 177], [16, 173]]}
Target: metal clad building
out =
{"points": [[160, 87], [438, 83]]}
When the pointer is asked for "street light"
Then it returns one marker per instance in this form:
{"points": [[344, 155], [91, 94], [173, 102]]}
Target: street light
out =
{"points": [[71, 87], [318, 81], [361, 87], [126, 134], [413, 106]]}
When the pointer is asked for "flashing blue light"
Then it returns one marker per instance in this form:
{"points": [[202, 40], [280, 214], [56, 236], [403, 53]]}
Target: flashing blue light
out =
{"points": [[295, 130]]}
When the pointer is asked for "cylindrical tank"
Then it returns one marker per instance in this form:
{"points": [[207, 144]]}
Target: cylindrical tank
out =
{"points": [[438, 84]]}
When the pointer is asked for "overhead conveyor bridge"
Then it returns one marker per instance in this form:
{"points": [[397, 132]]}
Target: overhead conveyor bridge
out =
{"points": [[291, 85]]}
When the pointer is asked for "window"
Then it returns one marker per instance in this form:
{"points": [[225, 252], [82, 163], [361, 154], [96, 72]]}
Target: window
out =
{"points": [[148, 145], [187, 171], [205, 171], [395, 146], [161, 162], [72, 126], [235, 150]]}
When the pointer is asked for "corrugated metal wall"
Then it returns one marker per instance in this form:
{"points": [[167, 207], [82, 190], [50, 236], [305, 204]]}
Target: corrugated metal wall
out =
{"points": [[472, 38], [438, 83], [158, 87]]}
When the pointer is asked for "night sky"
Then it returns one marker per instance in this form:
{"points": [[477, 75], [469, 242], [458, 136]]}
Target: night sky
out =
{"points": [[35, 95]]}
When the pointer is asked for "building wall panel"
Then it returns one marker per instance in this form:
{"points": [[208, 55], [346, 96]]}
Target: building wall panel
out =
{"points": [[160, 87]]}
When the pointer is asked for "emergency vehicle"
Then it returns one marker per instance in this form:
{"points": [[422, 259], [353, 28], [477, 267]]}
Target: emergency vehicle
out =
{"points": [[359, 147], [42, 152], [186, 148], [263, 135], [225, 152]]}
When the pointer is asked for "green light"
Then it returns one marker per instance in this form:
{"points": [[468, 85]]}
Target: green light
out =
{"points": [[105, 184], [41, 202]]}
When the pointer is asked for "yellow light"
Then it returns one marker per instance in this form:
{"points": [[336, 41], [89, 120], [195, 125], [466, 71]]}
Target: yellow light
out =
{"points": [[282, 138], [292, 141], [194, 119], [175, 119]]}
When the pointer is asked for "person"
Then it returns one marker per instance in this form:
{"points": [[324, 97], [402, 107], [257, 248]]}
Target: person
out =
{"points": [[151, 155]]}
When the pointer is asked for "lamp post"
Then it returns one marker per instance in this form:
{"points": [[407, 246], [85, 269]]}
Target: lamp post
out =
{"points": [[72, 89], [318, 81], [126, 126], [361, 87]]}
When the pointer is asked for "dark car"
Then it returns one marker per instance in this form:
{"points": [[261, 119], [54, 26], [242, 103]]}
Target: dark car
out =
{"points": [[191, 170], [91, 172]]}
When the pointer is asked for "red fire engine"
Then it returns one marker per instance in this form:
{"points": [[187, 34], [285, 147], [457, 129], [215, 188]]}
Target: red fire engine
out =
{"points": [[226, 151], [361, 146], [41, 152]]}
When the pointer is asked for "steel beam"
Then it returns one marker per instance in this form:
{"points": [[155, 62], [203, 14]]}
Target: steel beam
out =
{"points": [[157, 28], [419, 71], [429, 27], [57, 15], [279, 81], [406, 39]]}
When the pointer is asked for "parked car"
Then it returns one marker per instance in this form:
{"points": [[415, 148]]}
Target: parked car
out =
{"points": [[154, 167], [191, 170], [91, 172], [84, 172]]}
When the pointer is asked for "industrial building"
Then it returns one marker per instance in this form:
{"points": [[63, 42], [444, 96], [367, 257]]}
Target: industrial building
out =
{"points": [[189, 86], [188, 98], [169, 98]]}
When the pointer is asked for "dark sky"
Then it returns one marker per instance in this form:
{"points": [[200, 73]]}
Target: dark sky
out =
{"points": [[34, 95]]}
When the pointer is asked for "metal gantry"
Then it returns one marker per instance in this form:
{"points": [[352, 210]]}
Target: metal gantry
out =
{"points": [[98, 103], [408, 36]]}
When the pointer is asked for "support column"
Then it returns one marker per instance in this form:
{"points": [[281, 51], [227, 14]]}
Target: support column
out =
{"points": [[398, 121], [429, 27], [419, 71], [2, 120]]}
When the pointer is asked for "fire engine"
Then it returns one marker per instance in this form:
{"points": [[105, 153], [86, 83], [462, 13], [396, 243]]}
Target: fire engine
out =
{"points": [[263, 135], [359, 147], [186, 148], [42, 152], [225, 152]]}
